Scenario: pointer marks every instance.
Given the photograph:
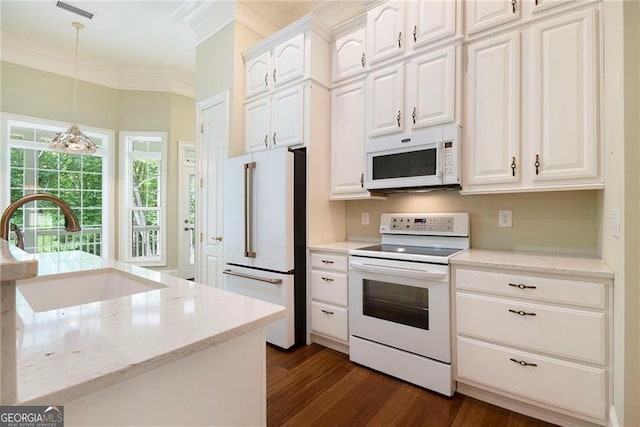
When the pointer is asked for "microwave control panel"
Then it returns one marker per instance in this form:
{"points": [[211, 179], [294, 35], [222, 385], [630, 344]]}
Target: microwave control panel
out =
{"points": [[454, 224], [447, 165]]}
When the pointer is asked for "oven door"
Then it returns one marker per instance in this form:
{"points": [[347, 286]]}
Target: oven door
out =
{"points": [[405, 166], [401, 304]]}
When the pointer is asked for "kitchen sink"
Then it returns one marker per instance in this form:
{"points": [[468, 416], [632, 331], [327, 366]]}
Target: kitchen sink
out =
{"points": [[52, 292]]}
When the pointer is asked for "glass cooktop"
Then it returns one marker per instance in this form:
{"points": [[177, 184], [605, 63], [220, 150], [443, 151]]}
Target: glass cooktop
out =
{"points": [[411, 250]]}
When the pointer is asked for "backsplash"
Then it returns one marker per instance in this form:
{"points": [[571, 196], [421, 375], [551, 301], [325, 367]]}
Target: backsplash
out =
{"points": [[560, 222]]}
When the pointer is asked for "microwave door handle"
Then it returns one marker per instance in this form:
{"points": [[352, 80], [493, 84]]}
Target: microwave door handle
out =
{"points": [[440, 161], [405, 272]]}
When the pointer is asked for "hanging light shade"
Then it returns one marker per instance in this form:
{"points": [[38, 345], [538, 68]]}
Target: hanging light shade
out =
{"points": [[72, 140]]}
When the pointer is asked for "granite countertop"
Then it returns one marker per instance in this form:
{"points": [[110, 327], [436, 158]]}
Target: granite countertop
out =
{"points": [[341, 247], [66, 353], [534, 262]]}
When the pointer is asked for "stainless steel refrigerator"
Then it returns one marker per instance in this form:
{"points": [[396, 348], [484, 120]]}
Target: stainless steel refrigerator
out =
{"points": [[265, 235]]}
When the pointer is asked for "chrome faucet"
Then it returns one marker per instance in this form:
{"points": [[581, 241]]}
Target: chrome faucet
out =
{"points": [[71, 222]]}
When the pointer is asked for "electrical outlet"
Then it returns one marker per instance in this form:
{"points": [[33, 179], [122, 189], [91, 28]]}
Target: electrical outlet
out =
{"points": [[365, 218], [504, 219]]}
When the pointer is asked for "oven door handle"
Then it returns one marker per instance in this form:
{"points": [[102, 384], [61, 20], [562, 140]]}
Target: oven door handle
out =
{"points": [[404, 272]]}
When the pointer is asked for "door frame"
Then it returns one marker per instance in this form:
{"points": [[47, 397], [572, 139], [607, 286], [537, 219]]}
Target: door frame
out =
{"points": [[201, 172], [182, 188]]}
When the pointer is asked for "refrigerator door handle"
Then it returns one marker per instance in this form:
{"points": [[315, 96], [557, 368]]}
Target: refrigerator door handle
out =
{"points": [[251, 277], [248, 210]]}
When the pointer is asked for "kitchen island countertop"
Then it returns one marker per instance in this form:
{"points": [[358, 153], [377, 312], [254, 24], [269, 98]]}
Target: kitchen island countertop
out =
{"points": [[67, 353]]}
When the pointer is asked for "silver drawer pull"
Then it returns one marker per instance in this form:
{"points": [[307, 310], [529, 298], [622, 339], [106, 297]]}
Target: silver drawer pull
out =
{"points": [[523, 363], [327, 279], [521, 286], [521, 313], [327, 311], [326, 261]]}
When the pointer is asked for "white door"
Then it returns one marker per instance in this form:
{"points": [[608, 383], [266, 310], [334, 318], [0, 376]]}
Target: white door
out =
{"points": [[483, 14], [257, 78], [431, 20], [385, 31], [272, 215], [564, 130], [431, 89], [287, 117], [288, 60], [212, 150], [256, 125], [349, 55], [385, 100], [347, 141], [493, 112], [187, 210]]}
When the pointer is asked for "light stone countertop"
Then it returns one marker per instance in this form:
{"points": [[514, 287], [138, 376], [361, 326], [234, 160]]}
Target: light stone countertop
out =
{"points": [[66, 353], [16, 264], [341, 247], [534, 262]]}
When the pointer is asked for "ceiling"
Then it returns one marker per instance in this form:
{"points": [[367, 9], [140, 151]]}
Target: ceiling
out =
{"points": [[123, 36]]}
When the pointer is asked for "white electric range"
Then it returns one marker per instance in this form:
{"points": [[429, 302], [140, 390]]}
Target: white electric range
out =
{"points": [[399, 298]]}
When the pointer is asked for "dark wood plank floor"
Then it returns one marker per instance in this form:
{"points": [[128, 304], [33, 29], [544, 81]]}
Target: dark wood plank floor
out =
{"points": [[316, 386]]}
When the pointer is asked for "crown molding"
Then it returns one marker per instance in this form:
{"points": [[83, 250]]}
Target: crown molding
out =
{"points": [[206, 17], [42, 56], [260, 21]]}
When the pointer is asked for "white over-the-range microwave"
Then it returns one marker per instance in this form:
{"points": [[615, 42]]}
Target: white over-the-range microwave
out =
{"points": [[419, 160]]}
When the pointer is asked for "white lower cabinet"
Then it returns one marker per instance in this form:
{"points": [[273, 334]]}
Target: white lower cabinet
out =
{"points": [[329, 299], [534, 337]]}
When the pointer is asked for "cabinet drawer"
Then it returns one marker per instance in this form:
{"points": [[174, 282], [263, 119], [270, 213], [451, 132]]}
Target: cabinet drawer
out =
{"points": [[330, 320], [554, 382], [329, 262], [329, 287], [559, 331], [539, 288]]}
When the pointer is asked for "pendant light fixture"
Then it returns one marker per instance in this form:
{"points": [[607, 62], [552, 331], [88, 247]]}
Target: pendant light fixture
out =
{"points": [[73, 141]]}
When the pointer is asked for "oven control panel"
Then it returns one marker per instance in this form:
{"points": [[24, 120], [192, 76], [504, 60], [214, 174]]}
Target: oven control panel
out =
{"points": [[456, 224]]}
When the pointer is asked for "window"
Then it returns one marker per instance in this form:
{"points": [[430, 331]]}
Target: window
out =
{"points": [[81, 181], [143, 191]]}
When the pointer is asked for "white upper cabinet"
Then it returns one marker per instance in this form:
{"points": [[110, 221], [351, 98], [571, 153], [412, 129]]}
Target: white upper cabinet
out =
{"points": [[430, 93], [565, 86], [257, 75], [349, 57], [288, 60], [385, 31], [347, 141], [542, 5], [430, 20], [385, 100], [257, 125], [287, 118], [483, 14], [491, 128]]}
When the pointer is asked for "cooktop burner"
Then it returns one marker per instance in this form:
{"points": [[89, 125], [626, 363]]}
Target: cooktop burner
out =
{"points": [[411, 250]]}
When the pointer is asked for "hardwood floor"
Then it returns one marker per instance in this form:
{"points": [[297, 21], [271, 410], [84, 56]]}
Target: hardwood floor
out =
{"points": [[316, 386]]}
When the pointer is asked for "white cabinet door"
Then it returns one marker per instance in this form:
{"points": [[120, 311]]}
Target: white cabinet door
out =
{"points": [[543, 5], [484, 14], [273, 210], [347, 141], [385, 26], [430, 90], [348, 55], [257, 75], [385, 100], [288, 60], [256, 125], [287, 117], [431, 20], [493, 110], [564, 120]]}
